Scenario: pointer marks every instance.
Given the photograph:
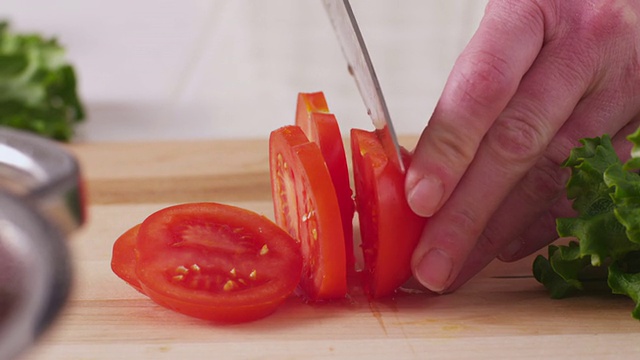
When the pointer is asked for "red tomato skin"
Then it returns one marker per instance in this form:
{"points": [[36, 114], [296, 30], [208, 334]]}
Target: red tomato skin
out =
{"points": [[305, 205], [216, 314], [123, 259], [389, 229], [321, 127], [212, 244]]}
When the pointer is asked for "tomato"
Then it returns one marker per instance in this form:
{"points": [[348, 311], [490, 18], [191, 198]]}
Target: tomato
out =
{"points": [[321, 127], [123, 260], [305, 204], [216, 262], [309, 103], [388, 227]]}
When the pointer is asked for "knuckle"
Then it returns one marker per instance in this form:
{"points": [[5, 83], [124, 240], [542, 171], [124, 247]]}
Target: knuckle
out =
{"points": [[585, 42], [488, 243], [467, 227], [598, 34], [546, 181], [607, 19], [454, 146], [483, 81], [518, 139]]}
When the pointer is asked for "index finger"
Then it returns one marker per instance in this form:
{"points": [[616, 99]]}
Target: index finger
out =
{"points": [[483, 80]]}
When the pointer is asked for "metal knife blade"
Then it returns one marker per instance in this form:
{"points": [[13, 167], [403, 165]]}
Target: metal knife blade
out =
{"points": [[360, 66]]}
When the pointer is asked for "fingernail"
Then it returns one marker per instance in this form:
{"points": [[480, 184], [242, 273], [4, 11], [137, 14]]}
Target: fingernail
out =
{"points": [[434, 270], [425, 196], [511, 250]]}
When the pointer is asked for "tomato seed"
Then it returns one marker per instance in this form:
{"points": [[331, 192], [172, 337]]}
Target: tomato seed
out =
{"points": [[229, 285], [182, 270]]}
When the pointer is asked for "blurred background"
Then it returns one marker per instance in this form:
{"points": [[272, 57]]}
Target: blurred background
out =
{"points": [[201, 69]]}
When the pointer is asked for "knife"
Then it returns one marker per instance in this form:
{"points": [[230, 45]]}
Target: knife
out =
{"points": [[360, 67]]}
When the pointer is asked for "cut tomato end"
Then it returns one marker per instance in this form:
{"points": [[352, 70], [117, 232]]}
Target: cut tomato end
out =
{"points": [[123, 259]]}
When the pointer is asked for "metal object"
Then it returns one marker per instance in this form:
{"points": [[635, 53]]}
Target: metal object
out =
{"points": [[360, 66], [41, 204]]}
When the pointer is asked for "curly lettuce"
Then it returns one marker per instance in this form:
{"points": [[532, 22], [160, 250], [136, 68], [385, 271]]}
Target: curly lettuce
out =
{"points": [[606, 196], [37, 87]]}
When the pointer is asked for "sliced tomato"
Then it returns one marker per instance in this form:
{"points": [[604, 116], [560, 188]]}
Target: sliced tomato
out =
{"points": [[216, 262], [305, 204], [321, 127], [123, 259], [309, 103], [388, 227]]}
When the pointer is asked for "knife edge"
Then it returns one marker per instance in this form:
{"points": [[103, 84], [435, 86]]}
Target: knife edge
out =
{"points": [[361, 69]]}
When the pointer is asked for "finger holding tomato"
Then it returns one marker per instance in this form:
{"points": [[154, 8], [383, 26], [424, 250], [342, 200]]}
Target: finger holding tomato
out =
{"points": [[535, 78]]}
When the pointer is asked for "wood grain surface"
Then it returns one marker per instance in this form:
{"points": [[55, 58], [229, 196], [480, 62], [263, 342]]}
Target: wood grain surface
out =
{"points": [[502, 313]]}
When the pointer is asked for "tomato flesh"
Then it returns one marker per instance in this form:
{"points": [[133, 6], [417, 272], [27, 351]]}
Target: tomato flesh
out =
{"points": [[216, 262], [321, 127], [388, 227], [123, 259], [305, 204], [309, 103]]}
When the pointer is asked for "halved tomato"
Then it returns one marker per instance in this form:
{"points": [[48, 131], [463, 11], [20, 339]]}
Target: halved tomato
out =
{"points": [[216, 262], [123, 259], [389, 228], [321, 127], [305, 204]]}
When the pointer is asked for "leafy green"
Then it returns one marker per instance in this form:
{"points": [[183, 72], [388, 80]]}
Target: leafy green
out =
{"points": [[625, 283], [606, 197], [559, 273], [37, 87]]}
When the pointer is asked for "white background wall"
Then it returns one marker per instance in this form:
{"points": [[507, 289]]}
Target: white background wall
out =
{"points": [[189, 69]]}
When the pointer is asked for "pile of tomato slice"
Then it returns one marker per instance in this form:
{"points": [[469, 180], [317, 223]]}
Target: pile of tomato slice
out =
{"points": [[226, 264]]}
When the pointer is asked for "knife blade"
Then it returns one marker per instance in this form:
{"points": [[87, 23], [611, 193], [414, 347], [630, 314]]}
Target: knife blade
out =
{"points": [[361, 68]]}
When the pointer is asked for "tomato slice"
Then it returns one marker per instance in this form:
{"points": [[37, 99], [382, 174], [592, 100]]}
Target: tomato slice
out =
{"points": [[388, 227], [123, 259], [321, 127], [216, 262], [305, 204], [309, 103]]}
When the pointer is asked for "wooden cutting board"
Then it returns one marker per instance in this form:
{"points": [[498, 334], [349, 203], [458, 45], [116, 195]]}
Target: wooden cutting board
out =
{"points": [[502, 313]]}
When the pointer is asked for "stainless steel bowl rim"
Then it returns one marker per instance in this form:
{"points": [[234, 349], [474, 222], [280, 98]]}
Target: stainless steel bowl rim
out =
{"points": [[36, 216]]}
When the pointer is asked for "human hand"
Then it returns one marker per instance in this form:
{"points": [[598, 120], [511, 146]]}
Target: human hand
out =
{"points": [[535, 78]]}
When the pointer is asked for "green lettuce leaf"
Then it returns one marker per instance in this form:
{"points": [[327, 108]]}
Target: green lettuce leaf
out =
{"points": [[626, 198], [588, 164], [596, 225], [606, 197], [37, 87], [634, 162], [560, 272], [625, 283]]}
